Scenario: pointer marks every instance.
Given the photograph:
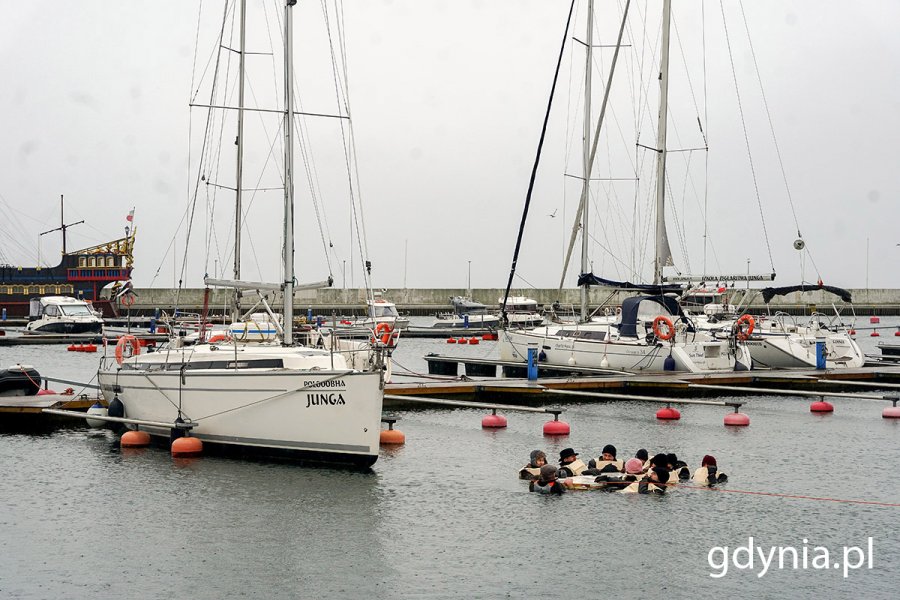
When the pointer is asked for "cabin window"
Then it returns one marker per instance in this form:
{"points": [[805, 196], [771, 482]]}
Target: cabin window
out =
{"points": [[92, 262], [18, 289], [110, 261], [82, 261]]}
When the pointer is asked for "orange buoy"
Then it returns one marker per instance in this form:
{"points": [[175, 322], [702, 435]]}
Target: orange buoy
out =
{"points": [[90, 348], [72, 347], [668, 414], [737, 419], [187, 447], [135, 439], [462, 340], [473, 341], [489, 337], [392, 437], [451, 340]]}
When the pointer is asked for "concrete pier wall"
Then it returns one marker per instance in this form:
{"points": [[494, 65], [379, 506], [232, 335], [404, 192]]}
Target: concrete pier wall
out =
{"points": [[432, 300]]}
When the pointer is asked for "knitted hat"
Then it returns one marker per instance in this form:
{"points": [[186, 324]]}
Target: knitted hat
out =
{"points": [[609, 449], [659, 460], [634, 466], [708, 460], [642, 454]]}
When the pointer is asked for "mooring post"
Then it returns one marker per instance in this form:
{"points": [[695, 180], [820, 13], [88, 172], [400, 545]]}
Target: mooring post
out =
{"points": [[532, 363]]}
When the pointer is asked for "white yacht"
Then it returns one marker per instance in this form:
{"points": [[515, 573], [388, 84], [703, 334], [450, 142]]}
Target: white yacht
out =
{"points": [[378, 311], [316, 403], [62, 314], [522, 312], [651, 334], [780, 341]]}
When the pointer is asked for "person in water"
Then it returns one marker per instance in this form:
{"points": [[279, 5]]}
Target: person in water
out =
{"points": [[708, 473], [653, 483], [533, 469], [644, 457], [678, 468], [546, 482], [569, 463], [607, 463]]}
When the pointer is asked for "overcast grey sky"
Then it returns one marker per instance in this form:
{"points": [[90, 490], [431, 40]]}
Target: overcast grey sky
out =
{"points": [[447, 100]]}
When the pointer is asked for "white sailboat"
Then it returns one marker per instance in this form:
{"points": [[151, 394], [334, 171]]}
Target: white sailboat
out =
{"points": [[781, 341], [314, 403], [651, 333]]}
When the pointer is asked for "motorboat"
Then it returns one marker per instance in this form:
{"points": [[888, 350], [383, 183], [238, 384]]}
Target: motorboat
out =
{"points": [[466, 313], [62, 314], [522, 311], [378, 311]]}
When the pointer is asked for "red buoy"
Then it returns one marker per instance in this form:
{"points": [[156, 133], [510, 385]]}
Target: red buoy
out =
{"points": [[473, 341], [852, 332], [135, 439], [821, 407], [668, 414], [556, 428], [737, 419], [72, 348], [488, 337], [875, 334], [187, 447], [462, 340], [90, 348], [451, 340], [391, 437], [874, 320], [897, 333], [493, 421], [891, 412]]}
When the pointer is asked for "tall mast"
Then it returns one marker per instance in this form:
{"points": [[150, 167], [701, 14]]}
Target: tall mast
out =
{"points": [[240, 163], [663, 253], [288, 174], [586, 149]]}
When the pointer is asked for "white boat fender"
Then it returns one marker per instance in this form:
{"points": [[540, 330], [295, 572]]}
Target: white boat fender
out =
{"points": [[96, 409]]}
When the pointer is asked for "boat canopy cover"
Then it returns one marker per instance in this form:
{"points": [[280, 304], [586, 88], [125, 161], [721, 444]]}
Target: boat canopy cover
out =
{"points": [[628, 326], [590, 279], [769, 293]]}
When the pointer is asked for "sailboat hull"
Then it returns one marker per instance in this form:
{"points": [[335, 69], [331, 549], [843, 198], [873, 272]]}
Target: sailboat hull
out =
{"points": [[312, 416], [634, 356]]}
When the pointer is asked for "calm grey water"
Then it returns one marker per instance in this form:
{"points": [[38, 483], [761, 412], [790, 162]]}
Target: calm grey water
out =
{"points": [[445, 516]]}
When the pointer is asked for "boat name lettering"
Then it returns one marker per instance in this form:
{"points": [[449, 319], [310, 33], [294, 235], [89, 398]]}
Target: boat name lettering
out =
{"points": [[324, 399], [329, 383]]}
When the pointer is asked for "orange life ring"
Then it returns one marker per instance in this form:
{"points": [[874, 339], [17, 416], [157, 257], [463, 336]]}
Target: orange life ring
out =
{"points": [[127, 300], [127, 340], [739, 327], [219, 337], [384, 330], [670, 327]]}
